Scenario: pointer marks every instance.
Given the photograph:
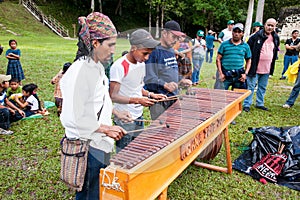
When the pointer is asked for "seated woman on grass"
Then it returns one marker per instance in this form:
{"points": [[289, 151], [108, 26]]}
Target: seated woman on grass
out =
{"points": [[30, 102]]}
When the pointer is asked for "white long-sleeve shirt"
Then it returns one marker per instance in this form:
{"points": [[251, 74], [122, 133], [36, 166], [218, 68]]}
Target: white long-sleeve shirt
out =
{"points": [[85, 92]]}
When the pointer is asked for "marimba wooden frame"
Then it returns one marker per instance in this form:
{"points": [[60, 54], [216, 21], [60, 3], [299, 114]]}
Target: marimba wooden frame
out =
{"points": [[163, 167]]}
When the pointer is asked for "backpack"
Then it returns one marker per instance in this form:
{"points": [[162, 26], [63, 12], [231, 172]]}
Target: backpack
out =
{"points": [[184, 66]]}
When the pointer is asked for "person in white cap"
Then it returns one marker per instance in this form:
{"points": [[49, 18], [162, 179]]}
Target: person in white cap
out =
{"points": [[225, 34], [126, 85], [210, 38], [198, 55], [162, 75], [8, 111], [231, 57]]}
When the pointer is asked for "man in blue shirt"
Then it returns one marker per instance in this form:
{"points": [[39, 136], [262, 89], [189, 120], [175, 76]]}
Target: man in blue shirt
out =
{"points": [[230, 59], [210, 38], [162, 69]]}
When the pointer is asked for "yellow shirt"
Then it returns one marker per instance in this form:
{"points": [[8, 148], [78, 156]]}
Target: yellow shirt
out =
{"points": [[292, 72]]}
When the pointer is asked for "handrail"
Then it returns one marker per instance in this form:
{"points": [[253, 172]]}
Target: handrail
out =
{"points": [[49, 21]]}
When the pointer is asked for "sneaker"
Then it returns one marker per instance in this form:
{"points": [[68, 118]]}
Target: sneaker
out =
{"points": [[262, 108], [5, 132], [246, 109], [282, 78], [286, 106]]}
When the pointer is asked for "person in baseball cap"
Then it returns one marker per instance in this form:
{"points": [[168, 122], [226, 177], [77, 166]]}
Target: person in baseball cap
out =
{"points": [[230, 22], [143, 39], [8, 111], [257, 24], [239, 26], [200, 33], [210, 32], [174, 27], [162, 68], [126, 88], [4, 78]]}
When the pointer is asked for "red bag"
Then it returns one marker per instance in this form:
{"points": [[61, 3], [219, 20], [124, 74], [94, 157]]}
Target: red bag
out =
{"points": [[271, 165]]}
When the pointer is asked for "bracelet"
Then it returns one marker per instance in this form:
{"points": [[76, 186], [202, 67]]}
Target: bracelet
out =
{"points": [[149, 94]]}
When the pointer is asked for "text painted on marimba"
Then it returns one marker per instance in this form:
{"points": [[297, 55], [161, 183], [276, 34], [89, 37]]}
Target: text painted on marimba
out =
{"points": [[187, 148]]}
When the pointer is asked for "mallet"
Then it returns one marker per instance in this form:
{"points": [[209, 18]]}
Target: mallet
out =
{"points": [[150, 128]]}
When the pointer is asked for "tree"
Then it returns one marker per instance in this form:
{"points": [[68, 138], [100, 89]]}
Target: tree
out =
{"points": [[119, 8], [249, 19], [260, 11], [92, 5]]}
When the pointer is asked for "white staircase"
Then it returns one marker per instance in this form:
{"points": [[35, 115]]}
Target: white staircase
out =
{"points": [[49, 21]]}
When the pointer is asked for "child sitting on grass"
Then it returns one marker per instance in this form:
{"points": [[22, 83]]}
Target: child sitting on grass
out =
{"points": [[14, 88], [30, 102], [57, 93]]}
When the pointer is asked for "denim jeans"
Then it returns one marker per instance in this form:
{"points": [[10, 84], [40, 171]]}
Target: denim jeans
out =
{"points": [[234, 82], [262, 82], [197, 64], [211, 54], [130, 126], [295, 92], [288, 60], [7, 117], [97, 159]]}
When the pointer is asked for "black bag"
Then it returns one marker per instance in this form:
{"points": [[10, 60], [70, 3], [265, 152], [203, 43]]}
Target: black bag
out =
{"points": [[266, 140], [1, 49]]}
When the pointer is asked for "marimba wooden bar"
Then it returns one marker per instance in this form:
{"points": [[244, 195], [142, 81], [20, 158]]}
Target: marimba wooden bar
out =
{"points": [[148, 165]]}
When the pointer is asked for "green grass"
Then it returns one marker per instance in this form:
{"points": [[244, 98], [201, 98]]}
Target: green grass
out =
{"points": [[30, 162]]}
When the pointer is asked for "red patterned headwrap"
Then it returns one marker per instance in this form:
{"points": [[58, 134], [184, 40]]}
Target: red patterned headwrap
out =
{"points": [[95, 26]]}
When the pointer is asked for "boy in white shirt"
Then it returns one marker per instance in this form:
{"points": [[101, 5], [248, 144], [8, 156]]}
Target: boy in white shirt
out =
{"points": [[126, 84]]}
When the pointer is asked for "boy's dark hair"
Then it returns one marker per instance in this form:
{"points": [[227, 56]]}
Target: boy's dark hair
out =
{"points": [[10, 41], [66, 67], [15, 80], [295, 31]]}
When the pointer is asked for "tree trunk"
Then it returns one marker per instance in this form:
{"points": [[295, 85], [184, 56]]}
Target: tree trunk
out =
{"points": [[260, 11], [249, 19], [92, 5], [149, 19], [118, 8], [162, 16], [157, 22], [100, 6]]}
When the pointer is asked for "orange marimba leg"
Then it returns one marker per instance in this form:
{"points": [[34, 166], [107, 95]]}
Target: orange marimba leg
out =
{"points": [[163, 195], [227, 148]]}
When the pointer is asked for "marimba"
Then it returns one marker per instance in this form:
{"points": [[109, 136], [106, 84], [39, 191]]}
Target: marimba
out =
{"points": [[148, 165]]}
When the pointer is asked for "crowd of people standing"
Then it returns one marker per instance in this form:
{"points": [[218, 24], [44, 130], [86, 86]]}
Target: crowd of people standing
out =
{"points": [[147, 73]]}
